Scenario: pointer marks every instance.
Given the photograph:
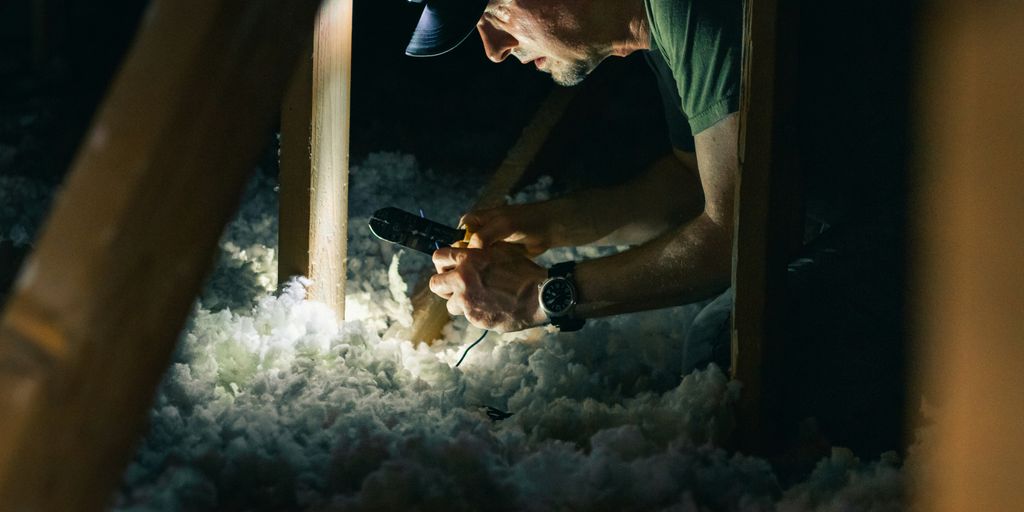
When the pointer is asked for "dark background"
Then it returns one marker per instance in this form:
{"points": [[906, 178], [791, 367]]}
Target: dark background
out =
{"points": [[459, 113]]}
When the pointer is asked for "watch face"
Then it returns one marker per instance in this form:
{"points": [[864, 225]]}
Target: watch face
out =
{"points": [[557, 296]]}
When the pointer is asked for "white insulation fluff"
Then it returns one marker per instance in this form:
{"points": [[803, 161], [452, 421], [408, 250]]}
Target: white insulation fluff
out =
{"points": [[271, 404]]}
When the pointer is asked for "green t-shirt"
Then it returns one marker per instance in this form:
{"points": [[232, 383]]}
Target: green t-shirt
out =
{"points": [[696, 55]]}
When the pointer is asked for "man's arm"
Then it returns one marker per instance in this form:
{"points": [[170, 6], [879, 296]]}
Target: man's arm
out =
{"points": [[641, 210], [630, 213], [684, 264]]}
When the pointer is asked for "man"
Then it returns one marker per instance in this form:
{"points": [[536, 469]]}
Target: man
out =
{"points": [[844, 350], [676, 215]]}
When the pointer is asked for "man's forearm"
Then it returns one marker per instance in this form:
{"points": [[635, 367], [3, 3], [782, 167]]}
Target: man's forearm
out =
{"points": [[634, 212], [683, 265], [497, 287]]}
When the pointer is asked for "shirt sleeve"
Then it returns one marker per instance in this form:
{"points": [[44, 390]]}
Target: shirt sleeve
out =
{"points": [[701, 43], [678, 129]]}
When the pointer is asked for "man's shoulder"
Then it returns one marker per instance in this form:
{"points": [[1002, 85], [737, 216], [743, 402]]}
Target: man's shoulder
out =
{"points": [[700, 42], [668, 18], [672, 20]]}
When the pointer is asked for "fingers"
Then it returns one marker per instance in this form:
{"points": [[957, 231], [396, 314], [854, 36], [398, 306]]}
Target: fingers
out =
{"points": [[450, 283], [487, 226], [486, 285], [445, 286], [473, 220], [455, 307], [447, 258], [498, 229], [441, 285]]}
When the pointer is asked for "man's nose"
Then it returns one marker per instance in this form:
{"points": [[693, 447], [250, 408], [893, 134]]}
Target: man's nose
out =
{"points": [[498, 44]]}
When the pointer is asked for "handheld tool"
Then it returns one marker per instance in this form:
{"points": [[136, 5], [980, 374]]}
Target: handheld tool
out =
{"points": [[420, 234], [410, 230]]}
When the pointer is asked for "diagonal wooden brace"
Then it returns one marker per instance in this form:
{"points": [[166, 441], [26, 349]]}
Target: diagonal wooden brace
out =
{"points": [[97, 310], [430, 313]]}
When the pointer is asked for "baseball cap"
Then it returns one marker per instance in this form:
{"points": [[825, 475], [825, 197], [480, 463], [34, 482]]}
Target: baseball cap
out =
{"points": [[443, 25]]}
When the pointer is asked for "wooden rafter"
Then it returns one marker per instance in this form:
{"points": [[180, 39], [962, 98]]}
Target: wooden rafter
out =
{"points": [[96, 311], [969, 250]]}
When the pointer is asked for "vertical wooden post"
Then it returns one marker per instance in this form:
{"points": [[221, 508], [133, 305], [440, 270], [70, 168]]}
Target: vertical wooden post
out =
{"points": [[768, 209], [315, 123], [99, 304], [968, 278]]}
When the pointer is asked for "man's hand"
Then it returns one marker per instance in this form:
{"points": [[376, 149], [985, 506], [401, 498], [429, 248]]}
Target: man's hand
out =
{"points": [[535, 226], [494, 287], [662, 198]]}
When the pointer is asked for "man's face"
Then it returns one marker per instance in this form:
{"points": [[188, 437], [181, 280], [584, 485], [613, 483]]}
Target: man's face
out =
{"points": [[546, 33]]}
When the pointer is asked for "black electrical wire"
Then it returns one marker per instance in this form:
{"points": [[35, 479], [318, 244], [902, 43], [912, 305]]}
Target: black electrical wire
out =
{"points": [[478, 340], [482, 336], [493, 413]]}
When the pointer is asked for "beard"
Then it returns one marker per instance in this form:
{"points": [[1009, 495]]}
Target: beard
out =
{"points": [[570, 73], [566, 73]]}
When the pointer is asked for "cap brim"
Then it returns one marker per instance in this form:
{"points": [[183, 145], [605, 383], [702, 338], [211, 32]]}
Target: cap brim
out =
{"points": [[443, 25]]}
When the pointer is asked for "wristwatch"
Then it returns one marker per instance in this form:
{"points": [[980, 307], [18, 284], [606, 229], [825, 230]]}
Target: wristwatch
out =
{"points": [[558, 296]]}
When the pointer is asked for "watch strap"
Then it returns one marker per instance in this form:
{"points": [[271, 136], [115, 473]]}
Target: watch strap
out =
{"points": [[568, 322], [563, 269]]}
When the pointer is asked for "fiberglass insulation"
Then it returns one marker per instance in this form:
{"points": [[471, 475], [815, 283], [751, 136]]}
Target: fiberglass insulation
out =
{"points": [[270, 404]]}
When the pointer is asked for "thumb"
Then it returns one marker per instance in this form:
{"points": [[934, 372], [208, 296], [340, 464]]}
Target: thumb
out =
{"points": [[472, 223], [473, 220], [485, 227]]}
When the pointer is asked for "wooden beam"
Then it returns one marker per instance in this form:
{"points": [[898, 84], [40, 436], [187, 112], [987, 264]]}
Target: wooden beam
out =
{"points": [[430, 313], [315, 124], [967, 279], [768, 209], [99, 304], [295, 177]]}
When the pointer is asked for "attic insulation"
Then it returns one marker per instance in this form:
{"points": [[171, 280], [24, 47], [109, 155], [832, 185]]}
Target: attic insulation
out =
{"points": [[271, 404]]}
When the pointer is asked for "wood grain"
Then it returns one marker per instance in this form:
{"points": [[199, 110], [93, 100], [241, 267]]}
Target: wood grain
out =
{"points": [[768, 212], [969, 250], [98, 307], [315, 161]]}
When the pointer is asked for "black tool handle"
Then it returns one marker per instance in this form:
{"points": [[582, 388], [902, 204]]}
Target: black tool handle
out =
{"points": [[410, 230]]}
